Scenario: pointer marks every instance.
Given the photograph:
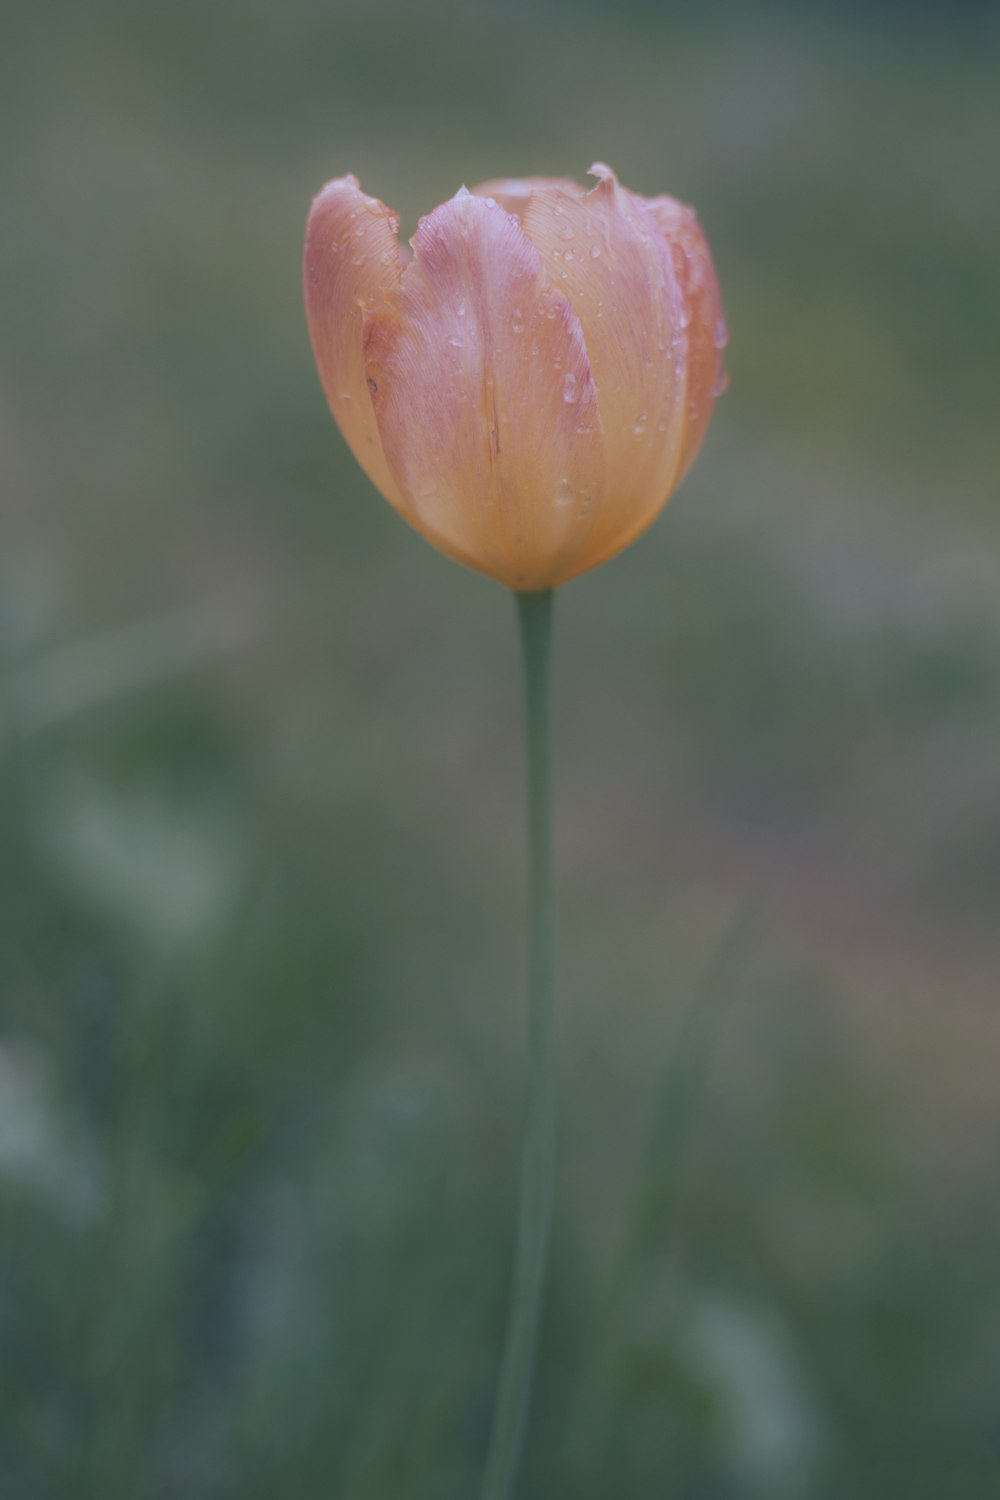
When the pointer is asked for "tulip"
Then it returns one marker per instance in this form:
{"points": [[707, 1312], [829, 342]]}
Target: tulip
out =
{"points": [[530, 386], [528, 389]]}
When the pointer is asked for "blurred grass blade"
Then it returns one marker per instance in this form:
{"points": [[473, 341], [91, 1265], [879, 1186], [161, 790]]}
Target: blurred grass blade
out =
{"points": [[653, 1213], [87, 674]]}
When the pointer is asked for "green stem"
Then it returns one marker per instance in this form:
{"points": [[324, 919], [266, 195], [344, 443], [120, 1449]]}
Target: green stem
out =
{"points": [[534, 1213]]}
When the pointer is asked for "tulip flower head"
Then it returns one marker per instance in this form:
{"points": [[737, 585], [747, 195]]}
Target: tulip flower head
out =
{"points": [[530, 386]]}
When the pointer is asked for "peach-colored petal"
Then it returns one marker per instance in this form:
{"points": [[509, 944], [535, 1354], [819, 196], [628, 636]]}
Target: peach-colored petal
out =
{"points": [[706, 330], [603, 250], [485, 401], [352, 262], [512, 193]]}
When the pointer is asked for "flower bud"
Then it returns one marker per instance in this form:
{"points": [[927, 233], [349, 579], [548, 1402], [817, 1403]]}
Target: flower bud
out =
{"points": [[531, 385]]}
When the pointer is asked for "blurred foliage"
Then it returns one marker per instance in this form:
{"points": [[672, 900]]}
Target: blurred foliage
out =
{"points": [[260, 959]]}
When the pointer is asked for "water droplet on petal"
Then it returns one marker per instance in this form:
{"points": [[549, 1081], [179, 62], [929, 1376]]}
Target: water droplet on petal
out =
{"points": [[721, 334], [721, 381], [570, 392], [595, 251], [460, 310], [456, 343], [641, 422], [564, 493], [566, 233], [517, 320]]}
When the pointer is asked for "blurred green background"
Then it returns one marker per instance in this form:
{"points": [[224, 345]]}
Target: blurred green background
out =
{"points": [[261, 1005]]}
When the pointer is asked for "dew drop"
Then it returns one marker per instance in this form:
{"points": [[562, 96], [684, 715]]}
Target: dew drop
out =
{"points": [[721, 381], [517, 320], [456, 343], [566, 233], [721, 334], [460, 310], [568, 255], [641, 422], [595, 251], [564, 493], [570, 392]]}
